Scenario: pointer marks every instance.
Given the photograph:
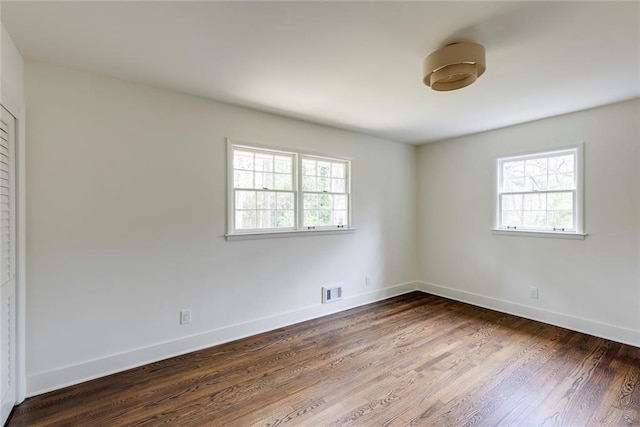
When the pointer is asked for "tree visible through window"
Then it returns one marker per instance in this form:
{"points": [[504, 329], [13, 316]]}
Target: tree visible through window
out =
{"points": [[275, 190], [539, 192], [263, 190], [324, 187]]}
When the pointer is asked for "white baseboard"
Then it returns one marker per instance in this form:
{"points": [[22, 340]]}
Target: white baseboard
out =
{"points": [[43, 382], [603, 330]]}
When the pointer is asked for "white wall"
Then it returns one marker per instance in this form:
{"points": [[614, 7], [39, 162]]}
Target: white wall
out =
{"points": [[11, 71], [127, 212], [592, 285]]}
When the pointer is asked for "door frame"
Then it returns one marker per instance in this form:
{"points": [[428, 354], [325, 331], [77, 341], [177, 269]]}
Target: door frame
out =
{"points": [[20, 229]]}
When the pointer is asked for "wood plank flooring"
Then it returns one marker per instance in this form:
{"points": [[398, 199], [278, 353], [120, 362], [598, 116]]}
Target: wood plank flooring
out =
{"points": [[413, 360]]}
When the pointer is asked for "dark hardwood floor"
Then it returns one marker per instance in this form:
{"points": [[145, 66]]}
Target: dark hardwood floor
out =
{"points": [[416, 359]]}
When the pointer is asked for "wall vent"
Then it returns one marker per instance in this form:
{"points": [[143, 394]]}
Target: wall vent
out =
{"points": [[331, 294]]}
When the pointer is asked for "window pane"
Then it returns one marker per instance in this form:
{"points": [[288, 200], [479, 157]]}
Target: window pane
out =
{"points": [[513, 176], [266, 219], [536, 183], [535, 167], [284, 201], [560, 201], [264, 180], [310, 201], [309, 183], [284, 219], [535, 202], [337, 185], [283, 181], [242, 160], [512, 202], [310, 218], [324, 169], [535, 218], [513, 169], [324, 217], [242, 179], [562, 181], [245, 220], [337, 170], [324, 201], [309, 167], [340, 217], [283, 164], [264, 162], [324, 184], [340, 202], [266, 200], [245, 199], [560, 219], [511, 218], [514, 184], [561, 164]]}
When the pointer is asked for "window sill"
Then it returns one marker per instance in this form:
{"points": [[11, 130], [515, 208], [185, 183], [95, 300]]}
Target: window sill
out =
{"points": [[546, 234], [279, 234]]}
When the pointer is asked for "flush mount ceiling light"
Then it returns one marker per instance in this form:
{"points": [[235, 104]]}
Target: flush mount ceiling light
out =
{"points": [[454, 66]]}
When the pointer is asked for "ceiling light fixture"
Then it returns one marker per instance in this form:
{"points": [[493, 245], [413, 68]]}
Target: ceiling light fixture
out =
{"points": [[454, 66]]}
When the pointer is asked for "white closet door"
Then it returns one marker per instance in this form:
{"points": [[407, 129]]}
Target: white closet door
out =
{"points": [[7, 265]]}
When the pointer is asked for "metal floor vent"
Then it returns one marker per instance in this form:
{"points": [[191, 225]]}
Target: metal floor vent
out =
{"points": [[331, 294]]}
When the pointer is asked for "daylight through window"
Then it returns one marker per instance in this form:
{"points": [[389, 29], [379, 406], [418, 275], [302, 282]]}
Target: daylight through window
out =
{"points": [[324, 187], [279, 191], [539, 192]]}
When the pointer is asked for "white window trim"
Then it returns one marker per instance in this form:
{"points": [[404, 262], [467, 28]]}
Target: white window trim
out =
{"points": [[579, 233], [231, 190], [288, 233], [301, 192], [300, 231]]}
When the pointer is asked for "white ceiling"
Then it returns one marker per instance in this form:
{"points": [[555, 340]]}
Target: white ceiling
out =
{"points": [[354, 65]]}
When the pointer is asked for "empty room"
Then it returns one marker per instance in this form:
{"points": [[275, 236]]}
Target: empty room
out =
{"points": [[312, 213]]}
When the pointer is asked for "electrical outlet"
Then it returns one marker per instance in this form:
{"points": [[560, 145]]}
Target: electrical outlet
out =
{"points": [[533, 292], [185, 317], [367, 281]]}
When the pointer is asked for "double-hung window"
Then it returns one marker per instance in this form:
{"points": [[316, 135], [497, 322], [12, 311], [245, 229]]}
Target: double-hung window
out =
{"points": [[325, 199], [263, 189], [281, 191], [540, 192]]}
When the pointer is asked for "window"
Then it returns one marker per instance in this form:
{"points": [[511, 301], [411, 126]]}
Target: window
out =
{"points": [[263, 189], [277, 191], [540, 192], [324, 192]]}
